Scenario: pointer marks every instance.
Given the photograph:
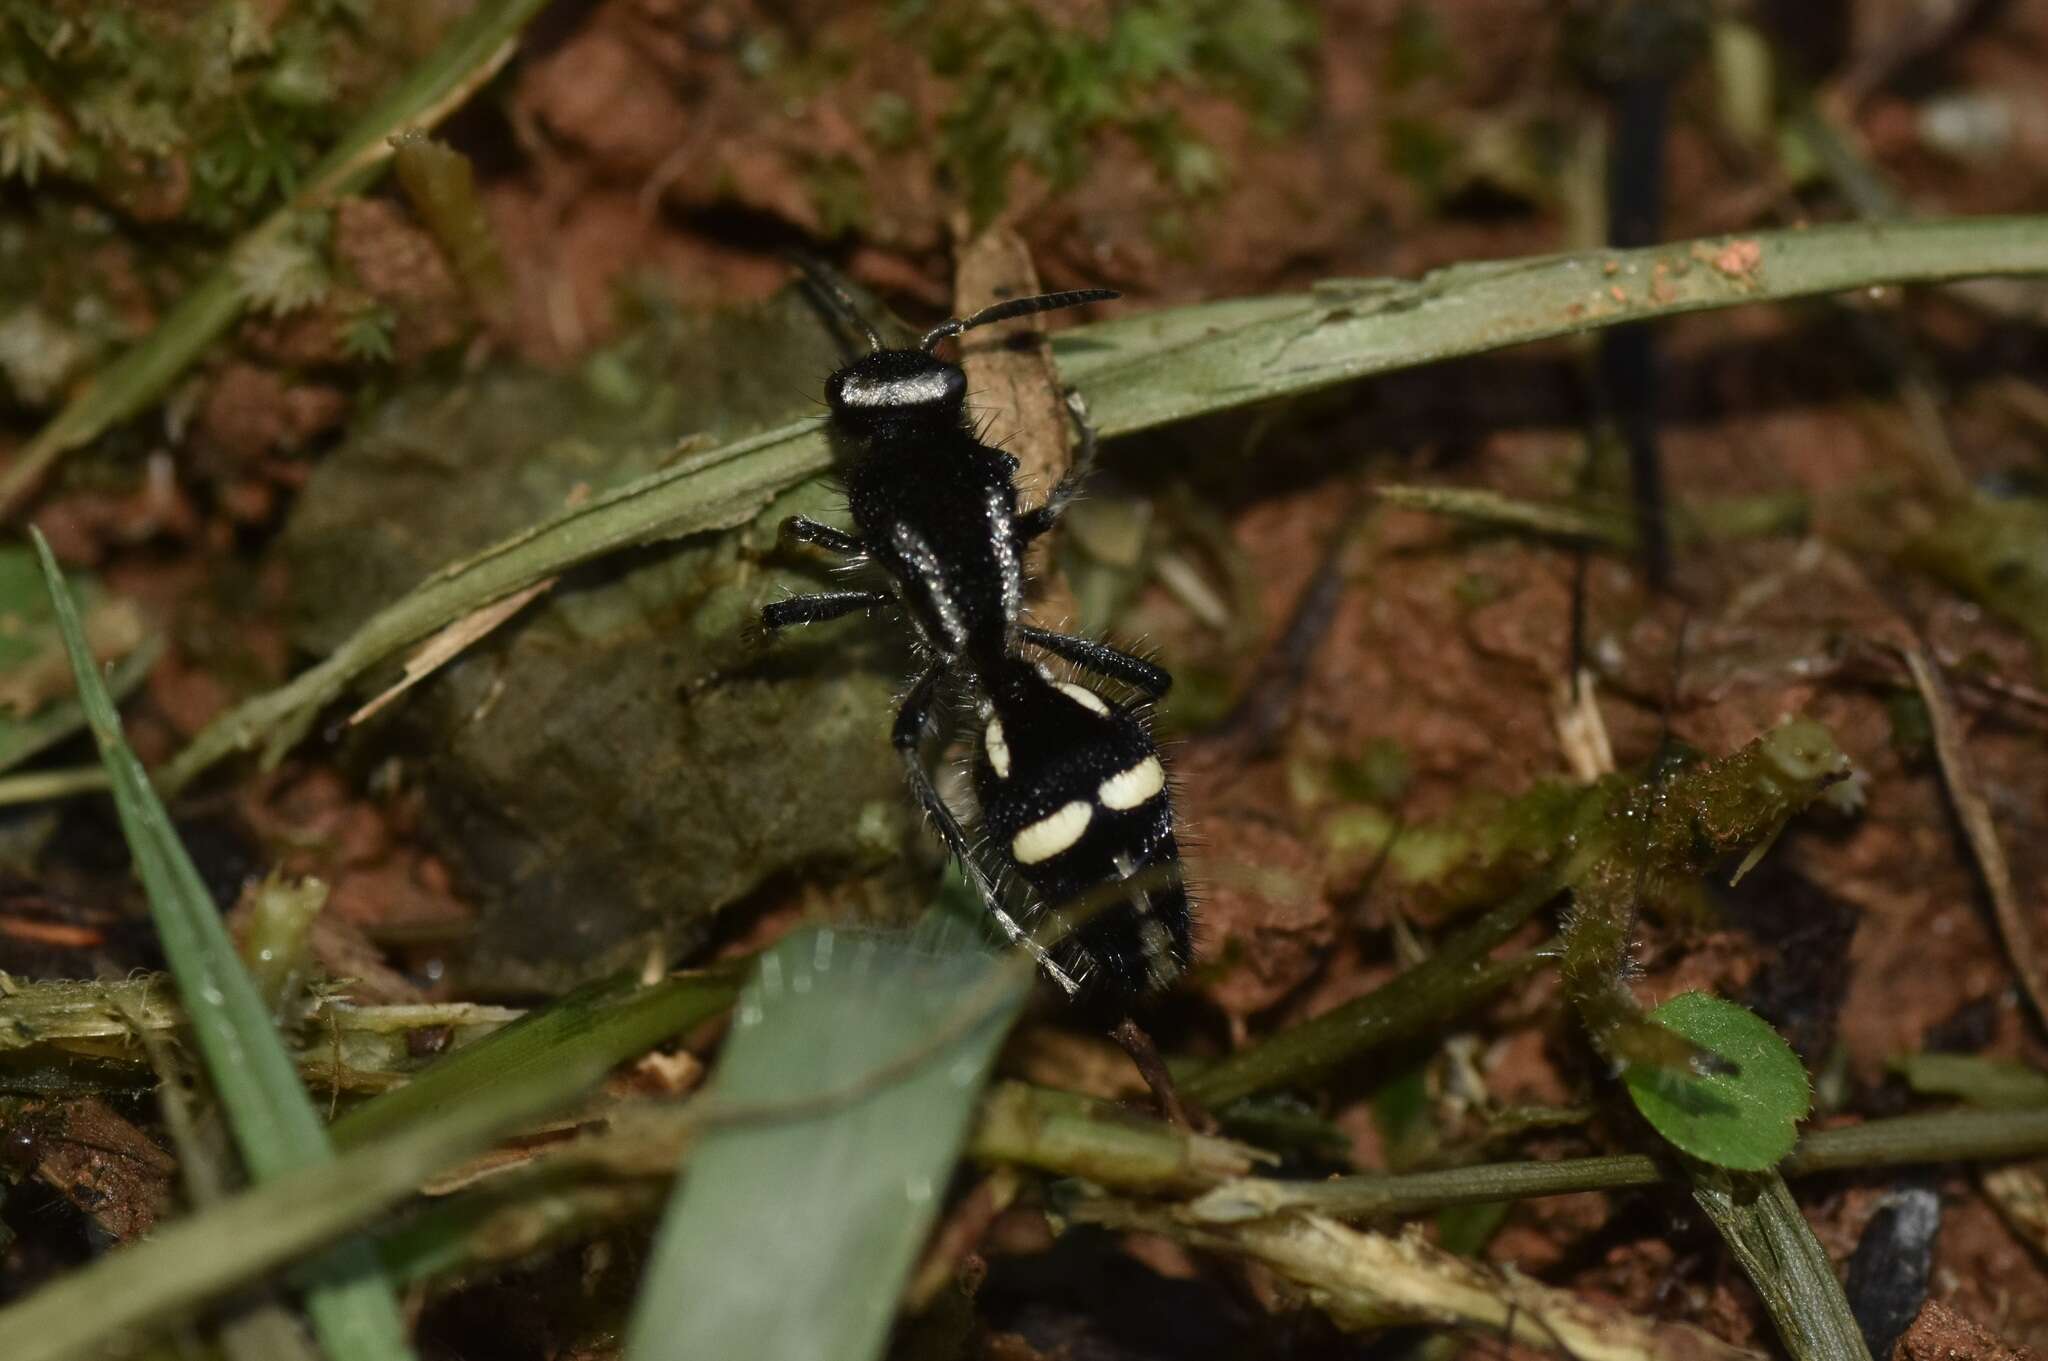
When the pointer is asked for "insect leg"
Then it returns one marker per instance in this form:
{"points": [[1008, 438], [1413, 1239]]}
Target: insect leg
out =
{"points": [[816, 609], [1033, 523], [806, 530], [1103, 660], [911, 722]]}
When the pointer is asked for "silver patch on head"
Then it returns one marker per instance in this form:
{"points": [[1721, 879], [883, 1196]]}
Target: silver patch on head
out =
{"points": [[1134, 787], [997, 748], [1055, 832], [915, 390], [1084, 697]]}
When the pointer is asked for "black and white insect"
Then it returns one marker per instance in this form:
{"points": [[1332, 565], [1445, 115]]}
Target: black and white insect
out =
{"points": [[1075, 800], [935, 508]]}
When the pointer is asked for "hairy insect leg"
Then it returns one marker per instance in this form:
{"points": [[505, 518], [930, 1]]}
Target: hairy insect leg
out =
{"points": [[806, 530], [1035, 522], [816, 609], [1177, 1109], [912, 720], [1103, 660]]}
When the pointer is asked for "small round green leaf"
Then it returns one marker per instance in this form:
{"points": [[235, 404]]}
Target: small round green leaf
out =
{"points": [[1746, 1120]]}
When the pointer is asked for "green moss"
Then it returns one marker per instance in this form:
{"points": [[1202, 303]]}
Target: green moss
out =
{"points": [[281, 274], [209, 113], [890, 122], [1033, 92], [1421, 50], [1912, 728], [1379, 775], [1617, 845], [152, 135], [1421, 153], [1651, 845], [1480, 853], [1995, 552], [839, 190], [366, 334]]}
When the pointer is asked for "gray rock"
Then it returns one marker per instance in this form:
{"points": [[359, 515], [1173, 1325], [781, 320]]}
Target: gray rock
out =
{"points": [[620, 762]]}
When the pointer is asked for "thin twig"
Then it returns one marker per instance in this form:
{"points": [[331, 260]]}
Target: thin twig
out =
{"points": [[1973, 810], [1938, 1137], [1178, 1109], [1258, 716]]}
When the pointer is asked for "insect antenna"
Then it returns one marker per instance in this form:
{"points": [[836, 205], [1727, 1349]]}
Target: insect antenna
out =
{"points": [[1016, 307], [832, 291]]}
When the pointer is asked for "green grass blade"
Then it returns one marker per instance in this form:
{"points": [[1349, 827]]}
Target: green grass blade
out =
{"points": [[470, 54], [30, 723], [203, 1257], [1144, 371], [354, 1310], [790, 1240], [605, 1023], [1771, 1240]]}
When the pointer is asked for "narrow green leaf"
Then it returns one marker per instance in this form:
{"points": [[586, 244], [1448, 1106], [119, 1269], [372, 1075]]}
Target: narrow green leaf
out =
{"points": [[1495, 511], [1145, 371], [354, 1310], [789, 1241], [1747, 1119], [201, 1258], [1771, 1240], [1946, 1136], [605, 1023], [1975, 1079]]}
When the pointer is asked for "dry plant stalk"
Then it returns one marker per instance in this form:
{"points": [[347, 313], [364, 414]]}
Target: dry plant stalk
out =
{"points": [[1973, 810], [1372, 1280], [2021, 1196], [1581, 730]]}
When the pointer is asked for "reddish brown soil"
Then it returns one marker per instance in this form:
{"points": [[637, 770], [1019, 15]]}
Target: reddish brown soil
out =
{"points": [[633, 148]]}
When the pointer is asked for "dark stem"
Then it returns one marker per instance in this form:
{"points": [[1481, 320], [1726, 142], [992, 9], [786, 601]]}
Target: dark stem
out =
{"points": [[1177, 1109], [1457, 978]]}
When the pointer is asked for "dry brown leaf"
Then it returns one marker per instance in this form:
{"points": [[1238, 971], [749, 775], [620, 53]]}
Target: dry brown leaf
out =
{"points": [[437, 651], [1373, 1280], [1015, 386]]}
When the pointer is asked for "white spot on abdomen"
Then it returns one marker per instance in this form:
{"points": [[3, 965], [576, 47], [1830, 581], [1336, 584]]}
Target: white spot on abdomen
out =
{"points": [[1084, 697], [1055, 832], [997, 748], [1130, 788]]}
